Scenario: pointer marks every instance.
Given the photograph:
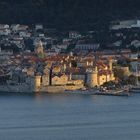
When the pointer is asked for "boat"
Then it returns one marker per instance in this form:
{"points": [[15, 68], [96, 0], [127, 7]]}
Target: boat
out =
{"points": [[135, 89], [118, 92], [81, 91]]}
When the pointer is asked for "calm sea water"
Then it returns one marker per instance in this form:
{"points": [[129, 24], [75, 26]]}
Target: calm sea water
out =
{"points": [[69, 117]]}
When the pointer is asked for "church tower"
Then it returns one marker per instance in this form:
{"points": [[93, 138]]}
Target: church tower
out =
{"points": [[39, 48], [112, 78], [110, 64]]}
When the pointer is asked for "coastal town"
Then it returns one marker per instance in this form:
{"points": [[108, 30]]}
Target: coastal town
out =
{"points": [[69, 69], [37, 59]]}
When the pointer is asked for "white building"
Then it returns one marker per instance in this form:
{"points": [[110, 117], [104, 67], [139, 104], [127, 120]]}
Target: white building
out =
{"points": [[18, 27], [125, 24], [87, 46], [4, 26], [5, 31], [74, 35], [135, 43], [38, 26]]}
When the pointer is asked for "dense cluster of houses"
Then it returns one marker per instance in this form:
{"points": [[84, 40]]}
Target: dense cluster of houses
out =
{"points": [[72, 58]]}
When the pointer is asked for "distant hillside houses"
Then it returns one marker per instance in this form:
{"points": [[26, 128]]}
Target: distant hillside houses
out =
{"points": [[93, 47], [124, 24], [74, 35], [135, 43], [18, 27], [39, 27], [4, 29]]}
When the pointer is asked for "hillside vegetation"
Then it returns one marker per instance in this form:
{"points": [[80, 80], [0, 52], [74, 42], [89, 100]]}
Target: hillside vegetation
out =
{"points": [[68, 14]]}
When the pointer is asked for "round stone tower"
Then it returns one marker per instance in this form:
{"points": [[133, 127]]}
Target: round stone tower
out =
{"points": [[92, 77]]}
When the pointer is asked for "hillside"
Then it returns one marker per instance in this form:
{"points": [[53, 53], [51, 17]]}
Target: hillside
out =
{"points": [[88, 14]]}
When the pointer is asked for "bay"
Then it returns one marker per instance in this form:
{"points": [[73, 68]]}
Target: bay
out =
{"points": [[69, 117]]}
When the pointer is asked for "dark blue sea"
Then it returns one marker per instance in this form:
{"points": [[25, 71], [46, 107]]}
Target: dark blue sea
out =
{"points": [[69, 117]]}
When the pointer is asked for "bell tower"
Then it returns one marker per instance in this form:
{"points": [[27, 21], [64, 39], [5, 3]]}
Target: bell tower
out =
{"points": [[39, 48], [110, 64]]}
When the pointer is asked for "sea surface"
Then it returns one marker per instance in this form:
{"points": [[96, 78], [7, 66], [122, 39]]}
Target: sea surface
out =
{"points": [[69, 117]]}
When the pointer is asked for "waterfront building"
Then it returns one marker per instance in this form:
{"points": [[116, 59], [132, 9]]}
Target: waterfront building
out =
{"points": [[59, 79], [99, 74], [45, 80], [92, 77]]}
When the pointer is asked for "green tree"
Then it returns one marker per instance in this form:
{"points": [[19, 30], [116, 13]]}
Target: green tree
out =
{"points": [[74, 63], [119, 73]]}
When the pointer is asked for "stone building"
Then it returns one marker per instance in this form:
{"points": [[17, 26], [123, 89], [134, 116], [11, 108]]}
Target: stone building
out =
{"points": [[99, 74]]}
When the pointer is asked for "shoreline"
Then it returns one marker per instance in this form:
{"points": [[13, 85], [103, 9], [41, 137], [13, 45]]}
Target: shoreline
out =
{"points": [[76, 92]]}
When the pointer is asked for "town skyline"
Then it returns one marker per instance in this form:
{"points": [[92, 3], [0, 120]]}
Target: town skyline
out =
{"points": [[44, 59]]}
